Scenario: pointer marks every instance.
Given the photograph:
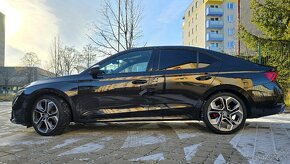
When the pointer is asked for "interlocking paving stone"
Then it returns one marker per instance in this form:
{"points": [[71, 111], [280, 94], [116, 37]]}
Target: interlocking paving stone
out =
{"points": [[263, 140]]}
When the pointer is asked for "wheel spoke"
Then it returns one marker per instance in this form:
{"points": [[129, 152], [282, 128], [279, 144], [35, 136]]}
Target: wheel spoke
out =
{"points": [[232, 104], [37, 120], [52, 109], [217, 104], [52, 121], [42, 126]]}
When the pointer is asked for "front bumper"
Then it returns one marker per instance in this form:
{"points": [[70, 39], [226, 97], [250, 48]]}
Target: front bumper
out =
{"points": [[19, 114]]}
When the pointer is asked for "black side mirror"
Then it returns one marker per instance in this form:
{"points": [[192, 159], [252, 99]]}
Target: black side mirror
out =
{"points": [[96, 71]]}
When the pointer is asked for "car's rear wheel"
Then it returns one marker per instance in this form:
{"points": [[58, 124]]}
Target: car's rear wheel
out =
{"points": [[224, 113], [50, 115]]}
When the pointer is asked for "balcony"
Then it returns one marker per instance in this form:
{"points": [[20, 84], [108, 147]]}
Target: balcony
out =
{"points": [[214, 24], [216, 1], [214, 11], [214, 37]]}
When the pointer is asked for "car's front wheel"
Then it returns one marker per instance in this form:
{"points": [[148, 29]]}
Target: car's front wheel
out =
{"points": [[50, 115], [224, 113]]}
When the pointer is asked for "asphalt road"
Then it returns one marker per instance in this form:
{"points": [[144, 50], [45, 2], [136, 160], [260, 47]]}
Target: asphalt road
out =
{"points": [[264, 140]]}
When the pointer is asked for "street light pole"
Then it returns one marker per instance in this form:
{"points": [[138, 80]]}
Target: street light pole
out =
{"points": [[119, 26]]}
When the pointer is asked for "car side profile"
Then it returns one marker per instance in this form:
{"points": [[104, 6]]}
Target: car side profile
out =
{"points": [[153, 84]]}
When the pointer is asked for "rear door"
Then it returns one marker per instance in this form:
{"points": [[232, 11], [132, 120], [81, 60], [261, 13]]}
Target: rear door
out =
{"points": [[181, 77]]}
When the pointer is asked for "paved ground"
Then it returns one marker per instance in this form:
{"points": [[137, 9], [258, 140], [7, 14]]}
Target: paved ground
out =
{"points": [[264, 140]]}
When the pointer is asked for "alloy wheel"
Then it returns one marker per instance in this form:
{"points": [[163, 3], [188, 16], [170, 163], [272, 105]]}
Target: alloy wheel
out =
{"points": [[225, 113], [45, 115]]}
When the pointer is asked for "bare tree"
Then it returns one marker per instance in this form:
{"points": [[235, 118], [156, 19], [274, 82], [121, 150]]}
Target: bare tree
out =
{"points": [[89, 55], [70, 60], [56, 53], [30, 61], [106, 32]]}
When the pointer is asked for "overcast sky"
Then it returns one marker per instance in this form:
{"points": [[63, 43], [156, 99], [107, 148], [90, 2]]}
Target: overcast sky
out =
{"points": [[32, 24]]}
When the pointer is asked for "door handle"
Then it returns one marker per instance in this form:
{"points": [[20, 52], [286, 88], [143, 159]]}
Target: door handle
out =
{"points": [[203, 78], [139, 81]]}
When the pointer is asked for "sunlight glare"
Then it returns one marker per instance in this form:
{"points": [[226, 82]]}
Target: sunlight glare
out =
{"points": [[13, 18]]}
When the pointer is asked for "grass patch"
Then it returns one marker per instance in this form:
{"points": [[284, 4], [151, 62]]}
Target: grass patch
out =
{"points": [[7, 97]]}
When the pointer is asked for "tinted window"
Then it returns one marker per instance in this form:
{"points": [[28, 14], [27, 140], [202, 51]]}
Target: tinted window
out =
{"points": [[127, 63], [177, 59]]}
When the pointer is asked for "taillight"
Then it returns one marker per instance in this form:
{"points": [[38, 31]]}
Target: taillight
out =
{"points": [[271, 75]]}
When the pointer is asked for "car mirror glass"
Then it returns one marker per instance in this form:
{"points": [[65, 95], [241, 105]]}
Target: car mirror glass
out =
{"points": [[95, 71]]}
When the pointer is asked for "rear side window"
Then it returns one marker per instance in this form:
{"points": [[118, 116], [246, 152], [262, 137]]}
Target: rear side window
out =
{"points": [[177, 59], [184, 59], [205, 60]]}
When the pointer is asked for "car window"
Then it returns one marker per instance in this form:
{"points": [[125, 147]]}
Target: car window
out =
{"points": [[177, 59], [127, 63], [205, 60]]}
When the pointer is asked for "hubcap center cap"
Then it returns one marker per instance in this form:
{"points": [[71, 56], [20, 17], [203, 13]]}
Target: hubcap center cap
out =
{"points": [[46, 115]]}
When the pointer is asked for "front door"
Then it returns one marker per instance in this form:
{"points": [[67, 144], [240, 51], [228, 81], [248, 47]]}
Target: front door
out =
{"points": [[117, 93]]}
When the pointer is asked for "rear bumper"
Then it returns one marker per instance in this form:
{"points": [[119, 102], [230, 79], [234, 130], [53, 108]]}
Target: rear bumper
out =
{"points": [[266, 111]]}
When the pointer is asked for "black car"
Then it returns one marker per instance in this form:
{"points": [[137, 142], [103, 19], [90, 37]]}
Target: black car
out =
{"points": [[154, 83]]}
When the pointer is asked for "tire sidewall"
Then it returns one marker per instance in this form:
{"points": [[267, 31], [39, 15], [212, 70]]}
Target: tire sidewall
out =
{"points": [[206, 119]]}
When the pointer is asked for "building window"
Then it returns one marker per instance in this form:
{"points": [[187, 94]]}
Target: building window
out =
{"points": [[230, 5], [192, 31], [230, 31], [214, 6], [214, 19], [231, 44], [192, 9], [214, 45], [214, 31], [195, 27], [188, 34], [189, 13], [196, 3], [230, 18]]}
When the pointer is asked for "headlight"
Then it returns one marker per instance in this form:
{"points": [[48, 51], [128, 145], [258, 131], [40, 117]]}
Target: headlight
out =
{"points": [[18, 93]]}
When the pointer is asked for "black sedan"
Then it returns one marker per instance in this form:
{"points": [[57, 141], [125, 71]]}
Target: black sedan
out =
{"points": [[153, 84]]}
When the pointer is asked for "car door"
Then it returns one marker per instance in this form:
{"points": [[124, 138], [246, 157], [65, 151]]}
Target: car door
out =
{"points": [[117, 93], [181, 77]]}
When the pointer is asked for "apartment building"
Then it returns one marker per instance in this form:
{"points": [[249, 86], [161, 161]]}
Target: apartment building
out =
{"points": [[212, 24], [2, 39]]}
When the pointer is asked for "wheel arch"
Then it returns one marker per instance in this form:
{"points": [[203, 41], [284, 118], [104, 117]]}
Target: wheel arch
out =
{"points": [[241, 93], [48, 91]]}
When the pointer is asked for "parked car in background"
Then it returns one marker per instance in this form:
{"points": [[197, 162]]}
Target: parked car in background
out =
{"points": [[152, 84]]}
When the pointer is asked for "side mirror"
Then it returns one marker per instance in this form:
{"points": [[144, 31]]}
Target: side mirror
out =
{"points": [[95, 71]]}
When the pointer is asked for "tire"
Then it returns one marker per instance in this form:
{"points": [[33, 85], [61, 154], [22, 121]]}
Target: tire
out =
{"points": [[224, 113], [51, 115]]}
